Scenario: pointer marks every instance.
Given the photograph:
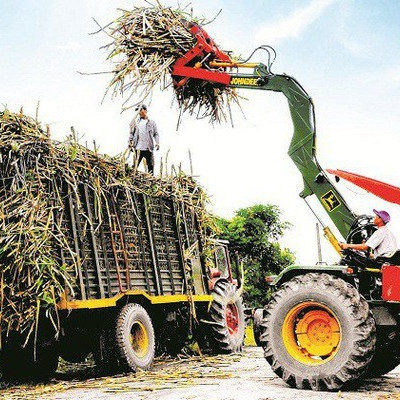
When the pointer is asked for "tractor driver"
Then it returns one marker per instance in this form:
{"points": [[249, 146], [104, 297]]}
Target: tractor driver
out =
{"points": [[382, 241]]}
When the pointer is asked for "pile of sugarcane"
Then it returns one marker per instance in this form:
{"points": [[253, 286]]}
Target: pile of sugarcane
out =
{"points": [[33, 171], [145, 43]]}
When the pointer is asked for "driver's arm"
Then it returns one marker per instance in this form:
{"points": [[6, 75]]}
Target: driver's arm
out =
{"points": [[361, 246]]}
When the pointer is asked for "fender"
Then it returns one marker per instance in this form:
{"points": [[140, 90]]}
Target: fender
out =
{"points": [[293, 270]]}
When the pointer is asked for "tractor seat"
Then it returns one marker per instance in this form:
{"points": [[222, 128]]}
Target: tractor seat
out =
{"points": [[392, 259]]}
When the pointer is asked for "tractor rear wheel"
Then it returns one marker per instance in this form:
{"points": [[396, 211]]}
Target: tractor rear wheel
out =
{"points": [[135, 338], [318, 332], [225, 331]]}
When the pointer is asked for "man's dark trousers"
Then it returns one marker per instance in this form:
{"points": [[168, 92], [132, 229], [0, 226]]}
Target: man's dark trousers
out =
{"points": [[148, 156]]}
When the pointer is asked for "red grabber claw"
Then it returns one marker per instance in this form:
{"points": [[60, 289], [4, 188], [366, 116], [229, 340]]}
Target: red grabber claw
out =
{"points": [[192, 64]]}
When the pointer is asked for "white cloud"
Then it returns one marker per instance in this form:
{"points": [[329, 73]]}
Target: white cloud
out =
{"points": [[360, 44], [69, 46], [387, 79], [294, 24], [353, 46]]}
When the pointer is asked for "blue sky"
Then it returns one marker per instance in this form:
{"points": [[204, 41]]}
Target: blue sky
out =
{"points": [[346, 53]]}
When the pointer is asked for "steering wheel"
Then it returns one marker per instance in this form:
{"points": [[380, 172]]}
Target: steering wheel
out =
{"points": [[361, 229]]}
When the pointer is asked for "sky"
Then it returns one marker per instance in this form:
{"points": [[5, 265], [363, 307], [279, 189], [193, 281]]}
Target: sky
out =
{"points": [[345, 53]]}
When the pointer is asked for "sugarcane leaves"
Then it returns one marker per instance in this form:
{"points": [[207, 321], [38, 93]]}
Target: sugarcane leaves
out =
{"points": [[146, 42], [72, 152], [47, 298], [14, 146], [41, 188]]}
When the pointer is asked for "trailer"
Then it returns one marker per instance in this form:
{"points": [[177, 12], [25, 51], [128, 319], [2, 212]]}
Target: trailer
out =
{"points": [[134, 264]]}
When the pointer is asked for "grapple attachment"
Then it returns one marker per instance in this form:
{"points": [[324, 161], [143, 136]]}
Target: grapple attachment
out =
{"points": [[195, 63]]}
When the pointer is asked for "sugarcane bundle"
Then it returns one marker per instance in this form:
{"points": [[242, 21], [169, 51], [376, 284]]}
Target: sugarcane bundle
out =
{"points": [[145, 43], [36, 175]]}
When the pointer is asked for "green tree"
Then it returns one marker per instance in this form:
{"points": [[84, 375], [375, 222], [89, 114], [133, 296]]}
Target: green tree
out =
{"points": [[254, 233]]}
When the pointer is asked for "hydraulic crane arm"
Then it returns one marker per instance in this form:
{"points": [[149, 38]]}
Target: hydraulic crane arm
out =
{"points": [[302, 149], [206, 62]]}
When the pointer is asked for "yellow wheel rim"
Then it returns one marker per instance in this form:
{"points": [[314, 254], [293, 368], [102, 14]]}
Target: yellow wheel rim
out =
{"points": [[311, 333], [139, 339]]}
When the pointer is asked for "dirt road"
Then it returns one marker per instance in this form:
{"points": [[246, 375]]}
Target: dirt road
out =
{"points": [[244, 377]]}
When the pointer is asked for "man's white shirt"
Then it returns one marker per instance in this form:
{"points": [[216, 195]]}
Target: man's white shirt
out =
{"points": [[382, 242], [143, 141]]}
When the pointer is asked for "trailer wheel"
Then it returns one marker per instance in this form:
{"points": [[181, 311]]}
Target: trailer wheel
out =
{"points": [[318, 332], [135, 338], [387, 353], [225, 332]]}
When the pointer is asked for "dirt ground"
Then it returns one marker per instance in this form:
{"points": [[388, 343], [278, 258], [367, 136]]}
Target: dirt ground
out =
{"points": [[246, 377]]}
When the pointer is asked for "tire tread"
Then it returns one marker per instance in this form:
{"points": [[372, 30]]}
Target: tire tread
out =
{"points": [[364, 339]]}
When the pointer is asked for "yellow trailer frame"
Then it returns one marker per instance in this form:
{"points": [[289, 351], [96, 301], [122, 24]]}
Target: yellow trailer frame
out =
{"points": [[65, 304]]}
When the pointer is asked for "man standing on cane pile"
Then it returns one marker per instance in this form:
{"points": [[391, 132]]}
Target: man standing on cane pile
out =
{"points": [[143, 138]]}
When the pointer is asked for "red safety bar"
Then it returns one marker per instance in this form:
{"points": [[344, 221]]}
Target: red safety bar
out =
{"points": [[204, 50], [381, 189]]}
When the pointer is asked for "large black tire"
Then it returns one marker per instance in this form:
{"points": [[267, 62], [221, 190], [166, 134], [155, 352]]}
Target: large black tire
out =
{"points": [[387, 352], [20, 364], [135, 338], [225, 329], [318, 332]]}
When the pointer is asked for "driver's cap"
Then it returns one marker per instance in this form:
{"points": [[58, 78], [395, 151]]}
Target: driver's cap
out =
{"points": [[383, 215]]}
